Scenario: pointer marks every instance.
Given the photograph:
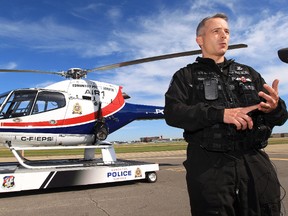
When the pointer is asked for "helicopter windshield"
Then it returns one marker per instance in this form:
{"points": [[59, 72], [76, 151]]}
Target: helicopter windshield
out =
{"points": [[3, 97], [22, 102]]}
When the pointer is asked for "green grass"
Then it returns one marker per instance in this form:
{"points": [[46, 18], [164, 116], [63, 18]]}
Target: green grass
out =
{"points": [[123, 148], [281, 140], [149, 147]]}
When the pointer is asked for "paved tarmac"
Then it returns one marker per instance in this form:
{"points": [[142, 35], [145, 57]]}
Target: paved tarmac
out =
{"points": [[167, 197]]}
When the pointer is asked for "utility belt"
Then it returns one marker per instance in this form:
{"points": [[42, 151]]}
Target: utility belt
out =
{"points": [[219, 141]]}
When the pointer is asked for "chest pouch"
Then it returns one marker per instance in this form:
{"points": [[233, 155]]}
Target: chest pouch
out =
{"points": [[244, 85], [211, 89], [248, 94]]}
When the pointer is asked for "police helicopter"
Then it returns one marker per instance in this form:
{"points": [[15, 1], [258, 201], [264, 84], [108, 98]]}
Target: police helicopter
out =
{"points": [[73, 113]]}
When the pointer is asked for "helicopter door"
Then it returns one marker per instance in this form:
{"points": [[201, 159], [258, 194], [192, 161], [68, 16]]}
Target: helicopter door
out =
{"points": [[48, 101]]}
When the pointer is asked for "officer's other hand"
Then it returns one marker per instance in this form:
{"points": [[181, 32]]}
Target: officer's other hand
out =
{"points": [[271, 98], [239, 117]]}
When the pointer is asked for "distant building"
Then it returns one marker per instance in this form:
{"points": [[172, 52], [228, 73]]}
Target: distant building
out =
{"points": [[161, 139], [151, 139], [279, 135]]}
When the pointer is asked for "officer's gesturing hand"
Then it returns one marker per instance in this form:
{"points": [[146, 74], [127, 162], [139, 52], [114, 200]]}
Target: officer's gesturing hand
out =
{"points": [[239, 117], [271, 99]]}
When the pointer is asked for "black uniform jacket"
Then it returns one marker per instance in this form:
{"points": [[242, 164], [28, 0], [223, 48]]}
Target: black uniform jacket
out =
{"points": [[199, 93]]}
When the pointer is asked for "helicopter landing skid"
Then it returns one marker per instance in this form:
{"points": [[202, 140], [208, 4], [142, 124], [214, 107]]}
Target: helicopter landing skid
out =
{"points": [[107, 149]]}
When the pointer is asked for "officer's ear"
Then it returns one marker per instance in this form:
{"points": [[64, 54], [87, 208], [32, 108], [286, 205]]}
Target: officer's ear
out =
{"points": [[199, 40]]}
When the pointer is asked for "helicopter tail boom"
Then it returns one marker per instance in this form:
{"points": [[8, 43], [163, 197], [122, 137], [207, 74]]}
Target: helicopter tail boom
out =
{"points": [[131, 112]]}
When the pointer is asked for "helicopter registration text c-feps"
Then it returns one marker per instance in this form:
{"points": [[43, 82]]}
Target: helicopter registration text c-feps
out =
{"points": [[64, 113]]}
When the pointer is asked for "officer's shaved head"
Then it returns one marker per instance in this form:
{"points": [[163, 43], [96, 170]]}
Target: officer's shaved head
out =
{"points": [[202, 23]]}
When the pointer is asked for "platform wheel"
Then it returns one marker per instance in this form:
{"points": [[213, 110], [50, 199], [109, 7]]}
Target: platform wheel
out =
{"points": [[151, 177]]}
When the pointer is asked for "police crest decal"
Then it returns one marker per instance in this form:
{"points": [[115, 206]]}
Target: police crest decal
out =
{"points": [[8, 182]]}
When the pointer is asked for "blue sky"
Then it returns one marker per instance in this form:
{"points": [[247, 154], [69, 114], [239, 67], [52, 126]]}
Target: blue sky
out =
{"points": [[58, 35]]}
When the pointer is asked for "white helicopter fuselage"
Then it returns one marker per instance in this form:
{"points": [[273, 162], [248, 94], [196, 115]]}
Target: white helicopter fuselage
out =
{"points": [[61, 114]]}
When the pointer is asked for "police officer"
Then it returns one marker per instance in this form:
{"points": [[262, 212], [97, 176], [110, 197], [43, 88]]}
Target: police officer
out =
{"points": [[227, 112]]}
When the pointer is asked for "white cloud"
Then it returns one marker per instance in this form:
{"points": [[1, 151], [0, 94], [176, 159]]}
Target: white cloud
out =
{"points": [[278, 72], [270, 32], [114, 14], [9, 65], [49, 36], [165, 31]]}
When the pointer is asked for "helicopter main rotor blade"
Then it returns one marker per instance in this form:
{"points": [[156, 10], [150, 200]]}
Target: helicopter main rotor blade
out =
{"points": [[161, 57], [31, 71], [77, 73]]}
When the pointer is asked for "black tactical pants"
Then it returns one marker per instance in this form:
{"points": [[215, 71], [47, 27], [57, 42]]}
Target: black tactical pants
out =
{"points": [[231, 184]]}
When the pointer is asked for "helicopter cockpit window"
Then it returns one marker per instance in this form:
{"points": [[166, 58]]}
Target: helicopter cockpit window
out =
{"points": [[3, 97], [47, 101], [18, 104]]}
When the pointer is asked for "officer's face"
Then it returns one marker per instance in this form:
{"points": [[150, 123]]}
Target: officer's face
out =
{"points": [[214, 38]]}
